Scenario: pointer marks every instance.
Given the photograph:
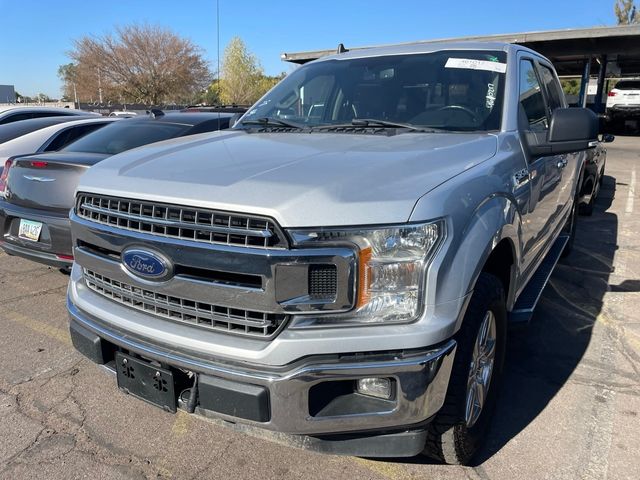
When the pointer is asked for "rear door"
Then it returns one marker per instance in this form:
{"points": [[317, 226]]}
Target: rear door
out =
{"points": [[562, 169]]}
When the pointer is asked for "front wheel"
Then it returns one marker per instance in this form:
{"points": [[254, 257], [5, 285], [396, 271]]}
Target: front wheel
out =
{"points": [[459, 428]]}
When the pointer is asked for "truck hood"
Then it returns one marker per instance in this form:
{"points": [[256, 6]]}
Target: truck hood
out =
{"points": [[300, 179]]}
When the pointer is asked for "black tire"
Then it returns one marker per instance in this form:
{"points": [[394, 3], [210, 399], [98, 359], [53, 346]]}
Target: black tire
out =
{"points": [[449, 438]]}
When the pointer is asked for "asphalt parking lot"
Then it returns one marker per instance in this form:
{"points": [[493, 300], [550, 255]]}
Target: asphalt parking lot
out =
{"points": [[569, 409]]}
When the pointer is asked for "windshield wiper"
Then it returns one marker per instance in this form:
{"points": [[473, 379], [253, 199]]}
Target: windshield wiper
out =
{"points": [[372, 122], [274, 122]]}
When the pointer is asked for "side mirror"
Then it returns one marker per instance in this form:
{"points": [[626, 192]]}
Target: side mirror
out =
{"points": [[233, 120], [571, 130], [607, 138]]}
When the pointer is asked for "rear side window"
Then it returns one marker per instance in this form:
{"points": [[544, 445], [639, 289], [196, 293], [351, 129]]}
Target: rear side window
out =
{"points": [[16, 118], [553, 87], [531, 100], [628, 85], [69, 135]]}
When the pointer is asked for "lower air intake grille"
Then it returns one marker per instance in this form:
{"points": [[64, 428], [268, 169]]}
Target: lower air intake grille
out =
{"points": [[206, 315], [323, 281]]}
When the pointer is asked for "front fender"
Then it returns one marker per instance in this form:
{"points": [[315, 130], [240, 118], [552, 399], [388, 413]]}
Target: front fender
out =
{"points": [[467, 248], [476, 221]]}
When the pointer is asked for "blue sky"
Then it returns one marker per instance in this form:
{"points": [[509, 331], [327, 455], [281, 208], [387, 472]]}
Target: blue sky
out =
{"points": [[35, 35]]}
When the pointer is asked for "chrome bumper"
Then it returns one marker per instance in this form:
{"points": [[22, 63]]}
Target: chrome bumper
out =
{"points": [[421, 379]]}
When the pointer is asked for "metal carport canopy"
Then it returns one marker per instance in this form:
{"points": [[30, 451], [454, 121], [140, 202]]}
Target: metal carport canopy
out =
{"points": [[567, 49], [613, 50]]}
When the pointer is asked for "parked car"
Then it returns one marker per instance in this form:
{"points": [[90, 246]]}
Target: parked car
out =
{"points": [[341, 266], [17, 113], [36, 191], [623, 102], [14, 130], [592, 178], [51, 138]]}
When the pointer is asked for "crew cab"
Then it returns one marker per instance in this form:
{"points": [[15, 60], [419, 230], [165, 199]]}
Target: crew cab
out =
{"points": [[340, 267]]}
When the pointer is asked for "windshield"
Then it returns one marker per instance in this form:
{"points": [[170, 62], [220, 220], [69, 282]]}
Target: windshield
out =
{"points": [[125, 135], [451, 90]]}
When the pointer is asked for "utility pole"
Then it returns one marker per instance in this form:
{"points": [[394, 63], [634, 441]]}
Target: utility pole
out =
{"points": [[75, 96], [99, 87]]}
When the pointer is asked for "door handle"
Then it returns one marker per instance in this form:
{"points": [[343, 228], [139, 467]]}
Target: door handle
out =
{"points": [[562, 163], [521, 177]]}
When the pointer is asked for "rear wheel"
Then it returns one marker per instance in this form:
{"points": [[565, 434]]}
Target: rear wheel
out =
{"points": [[459, 428]]}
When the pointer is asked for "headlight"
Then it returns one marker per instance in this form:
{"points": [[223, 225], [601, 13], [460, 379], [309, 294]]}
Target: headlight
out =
{"points": [[391, 269]]}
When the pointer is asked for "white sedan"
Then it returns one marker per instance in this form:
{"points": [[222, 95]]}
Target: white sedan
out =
{"points": [[52, 138]]}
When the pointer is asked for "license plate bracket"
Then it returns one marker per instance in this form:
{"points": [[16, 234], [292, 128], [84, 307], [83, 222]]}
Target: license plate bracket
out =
{"points": [[146, 381], [29, 230]]}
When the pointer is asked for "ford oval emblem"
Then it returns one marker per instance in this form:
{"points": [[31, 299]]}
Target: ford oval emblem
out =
{"points": [[147, 264]]}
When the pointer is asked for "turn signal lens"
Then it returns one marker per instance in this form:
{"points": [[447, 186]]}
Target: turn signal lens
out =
{"points": [[364, 277]]}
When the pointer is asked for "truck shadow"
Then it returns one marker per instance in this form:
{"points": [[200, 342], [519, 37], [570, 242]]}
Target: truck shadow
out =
{"points": [[542, 356]]}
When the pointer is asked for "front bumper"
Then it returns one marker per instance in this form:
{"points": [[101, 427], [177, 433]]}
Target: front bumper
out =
{"points": [[293, 391], [54, 245]]}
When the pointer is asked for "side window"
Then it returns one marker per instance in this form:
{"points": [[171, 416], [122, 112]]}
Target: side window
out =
{"points": [[553, 87], [17, 118], [47, 114], [69, 135], [531, 99]]}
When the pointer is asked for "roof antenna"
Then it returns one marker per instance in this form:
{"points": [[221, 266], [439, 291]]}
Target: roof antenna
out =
{"points": [[342, 49]]}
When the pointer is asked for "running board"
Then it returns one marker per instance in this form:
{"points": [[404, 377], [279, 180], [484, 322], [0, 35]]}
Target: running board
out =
{"points": [[528, 299]]}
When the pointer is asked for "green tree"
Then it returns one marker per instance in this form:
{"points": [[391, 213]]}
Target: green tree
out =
{"points": [[571, 86], [68, 73], [626, 12], [242, 79]]}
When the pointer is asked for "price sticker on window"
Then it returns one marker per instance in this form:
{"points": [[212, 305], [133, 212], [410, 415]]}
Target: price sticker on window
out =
{"points": [[472, 64]]}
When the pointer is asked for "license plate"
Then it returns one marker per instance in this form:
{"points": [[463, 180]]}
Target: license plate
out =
{"points": [[29, 230], [146, 381]]}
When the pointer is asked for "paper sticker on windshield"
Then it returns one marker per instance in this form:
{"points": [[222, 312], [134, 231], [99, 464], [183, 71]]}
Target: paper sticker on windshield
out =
{"points": [[472, 64]]}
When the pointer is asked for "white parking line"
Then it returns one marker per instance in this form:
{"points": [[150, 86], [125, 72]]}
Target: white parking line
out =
{"points": [[631, 193]]}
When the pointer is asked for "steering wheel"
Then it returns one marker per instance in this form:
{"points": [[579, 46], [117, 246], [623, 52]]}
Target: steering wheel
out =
{"points": [[460, 108]]}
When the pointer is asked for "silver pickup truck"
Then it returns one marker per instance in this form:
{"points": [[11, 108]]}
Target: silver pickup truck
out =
{"points": [[340, 268]]}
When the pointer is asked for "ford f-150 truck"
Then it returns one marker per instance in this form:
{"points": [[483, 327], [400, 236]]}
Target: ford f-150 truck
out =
{"points": [[339, 268]]}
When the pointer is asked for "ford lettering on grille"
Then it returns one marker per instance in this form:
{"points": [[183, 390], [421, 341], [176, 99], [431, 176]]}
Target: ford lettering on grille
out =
{"points": [[146, 264]]}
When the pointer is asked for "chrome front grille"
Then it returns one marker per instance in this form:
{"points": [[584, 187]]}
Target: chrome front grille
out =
{"points": [[175, 221], [206, 315]]}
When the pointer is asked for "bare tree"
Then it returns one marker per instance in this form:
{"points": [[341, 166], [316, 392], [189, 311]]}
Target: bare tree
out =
{"points": [[139, 63], [626, 12]]}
